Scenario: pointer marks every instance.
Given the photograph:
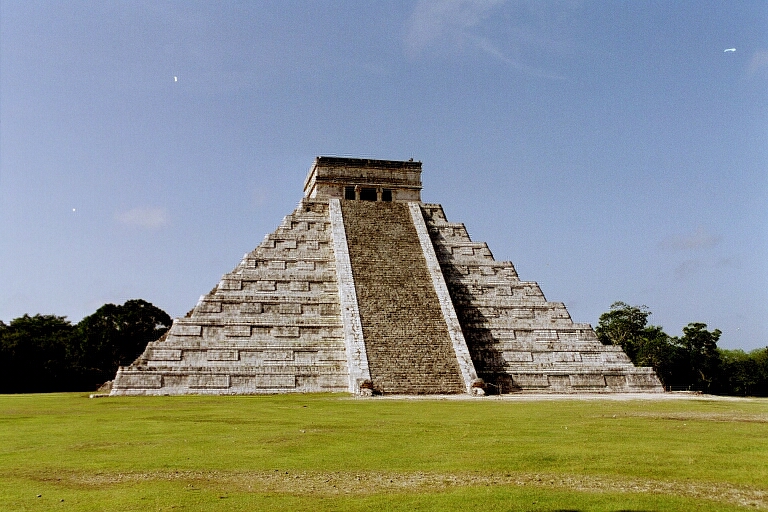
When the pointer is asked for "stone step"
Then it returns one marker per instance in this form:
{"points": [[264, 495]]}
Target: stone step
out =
{"points": [[406, 336]]}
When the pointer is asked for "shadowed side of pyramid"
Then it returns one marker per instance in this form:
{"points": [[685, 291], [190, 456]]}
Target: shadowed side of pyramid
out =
{"points": [[518, 340]]}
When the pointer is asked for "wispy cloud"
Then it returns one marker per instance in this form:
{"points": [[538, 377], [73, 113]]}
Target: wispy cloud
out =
{"points": [[758, 64], [144, 217], [700, 239], [687, 269], [485, 45], [259, 197], [445, 21], [449, 26], [696, 268]]}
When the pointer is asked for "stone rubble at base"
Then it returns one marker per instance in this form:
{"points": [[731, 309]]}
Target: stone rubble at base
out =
{"points": [[364, 289]]}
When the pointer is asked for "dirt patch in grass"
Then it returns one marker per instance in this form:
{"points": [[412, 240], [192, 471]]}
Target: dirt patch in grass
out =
{"points": [[571, 397], [367, 483], [727, 417]]}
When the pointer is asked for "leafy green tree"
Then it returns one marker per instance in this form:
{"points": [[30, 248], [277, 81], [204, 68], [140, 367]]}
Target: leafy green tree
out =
{"points": [[760, 356], [691, 361], [33, 354], [45, 353], [623, 325], [645, 345], [702, 355], [657, 349], [742, 373], [115, 336]]}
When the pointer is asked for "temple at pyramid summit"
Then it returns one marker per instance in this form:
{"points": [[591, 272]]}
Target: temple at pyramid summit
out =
{"points": [[365, 289]]}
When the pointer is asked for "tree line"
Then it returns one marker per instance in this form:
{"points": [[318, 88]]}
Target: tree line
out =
{"points": [[692, 361], [46, 353]]}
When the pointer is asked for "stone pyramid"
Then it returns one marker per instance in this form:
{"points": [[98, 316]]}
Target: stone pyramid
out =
{"points": [[365, 289]]}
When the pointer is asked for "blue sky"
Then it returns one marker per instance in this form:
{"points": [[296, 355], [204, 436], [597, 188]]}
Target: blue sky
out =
{"points": [[610, 150]]}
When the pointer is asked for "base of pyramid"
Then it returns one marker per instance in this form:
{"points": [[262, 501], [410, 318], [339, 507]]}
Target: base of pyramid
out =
{"points": [[199, 381], [204, 381], [599, 382]]}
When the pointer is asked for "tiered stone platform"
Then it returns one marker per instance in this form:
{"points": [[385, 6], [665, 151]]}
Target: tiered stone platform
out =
{"points": [[364, 288]]}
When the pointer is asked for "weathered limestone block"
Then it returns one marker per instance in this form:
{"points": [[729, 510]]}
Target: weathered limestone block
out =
{"points": [[559, 383], [159, 354], [222, 355], [616, 383], [588, 380], [139, 380], [207, 381], [265, 286], [614, 357], [231, 284], [299, 286], [566, 357], [517, 356], [531, 381], [283, 331], [237, 331], [251, 308], [209, 307], [289, 309], [178, 329], [642, 380], [305, 265]]}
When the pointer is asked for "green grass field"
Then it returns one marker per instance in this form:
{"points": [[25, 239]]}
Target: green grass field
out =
{"points": [[329, 452]]}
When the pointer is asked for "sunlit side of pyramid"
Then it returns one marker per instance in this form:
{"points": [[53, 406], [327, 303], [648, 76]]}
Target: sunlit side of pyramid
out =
{"points": [[364, 289]]}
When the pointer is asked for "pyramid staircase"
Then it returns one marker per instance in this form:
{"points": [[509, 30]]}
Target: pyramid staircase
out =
{"points": [[406, 337]]}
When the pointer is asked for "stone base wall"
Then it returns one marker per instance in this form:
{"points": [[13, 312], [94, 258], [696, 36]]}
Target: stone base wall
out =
{"points": [[225, 380]]}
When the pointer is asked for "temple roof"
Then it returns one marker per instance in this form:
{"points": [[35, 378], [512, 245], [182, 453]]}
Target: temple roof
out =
{"points": [[329, 175]]}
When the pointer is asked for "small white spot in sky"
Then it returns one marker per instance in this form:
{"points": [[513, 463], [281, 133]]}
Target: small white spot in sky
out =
{"points": [[73, 209], [729, 50], [176, 79]]}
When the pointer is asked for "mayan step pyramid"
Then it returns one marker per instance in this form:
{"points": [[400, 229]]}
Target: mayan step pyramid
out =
{"points": [[365, 289]]}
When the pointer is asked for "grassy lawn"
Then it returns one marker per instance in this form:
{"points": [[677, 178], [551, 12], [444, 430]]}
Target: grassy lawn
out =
{"points": [[318, 452]]}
